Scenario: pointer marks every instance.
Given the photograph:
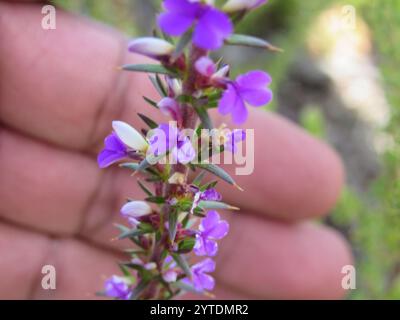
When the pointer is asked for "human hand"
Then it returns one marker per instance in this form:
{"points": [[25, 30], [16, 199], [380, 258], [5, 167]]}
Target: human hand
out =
{"points": [[59, 92]]}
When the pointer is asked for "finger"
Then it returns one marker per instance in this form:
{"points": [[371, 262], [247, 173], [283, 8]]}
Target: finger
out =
{"points": [[80, 269], [293, 175], [267, 259], [54, 82], [59, 192]]}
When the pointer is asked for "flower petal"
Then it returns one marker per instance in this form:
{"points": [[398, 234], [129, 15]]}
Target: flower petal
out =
{"points": [[150, 46], [207, 265], [210, 247], [209, 220], [252, 87], [135, 209], [254, 79], [163, 138], [173, 23], [219, 230], [112, 142], [205, 66], [206, 281], [185, 153], [239, 113], [170, 276], [129, 136], [181, 6], [228, 100], [211, 195], [117, 287], [256, 97], [108, 157], [237, 5], [211, 30]]}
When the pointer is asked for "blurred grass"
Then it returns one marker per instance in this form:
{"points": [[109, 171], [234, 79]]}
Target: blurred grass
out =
{"points": [[371, 221]]}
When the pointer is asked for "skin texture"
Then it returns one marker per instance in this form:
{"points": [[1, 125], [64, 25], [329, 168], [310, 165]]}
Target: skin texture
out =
{"points": [[59, 92]]}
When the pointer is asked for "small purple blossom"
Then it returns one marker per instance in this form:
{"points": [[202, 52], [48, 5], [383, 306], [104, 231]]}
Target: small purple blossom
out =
{"points": [[170, 107], [205, 66], [166, 138], [208, 69], [233, 138], [201, 280], [114, 150], [249, 88], [117, 287], [211, 228], [211, 195], [212, 26], [208, 195], [169, 270]]}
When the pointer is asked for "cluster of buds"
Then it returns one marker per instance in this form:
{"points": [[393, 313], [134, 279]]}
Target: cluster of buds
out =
{"points": [[175, 229]]}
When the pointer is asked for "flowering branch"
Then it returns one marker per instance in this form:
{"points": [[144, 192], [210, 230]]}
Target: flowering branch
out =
{"points": [[178, 217]]}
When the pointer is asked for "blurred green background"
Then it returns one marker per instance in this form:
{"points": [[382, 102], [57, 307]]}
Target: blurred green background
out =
{"points": [[337, 77]]}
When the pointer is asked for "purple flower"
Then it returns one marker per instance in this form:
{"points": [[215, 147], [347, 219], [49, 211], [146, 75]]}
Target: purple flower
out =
{"points": [[170, 107], [205, 66], [211, 195], [233, 138], [211, 228], [114, 150], [208, 195], [200, 279], [167, 137], [249, 88], [169, 272], [163, 138], [124, 138], [212, 26], [117, 287]]}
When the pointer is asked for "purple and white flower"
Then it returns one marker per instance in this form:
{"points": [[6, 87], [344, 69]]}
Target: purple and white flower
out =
{"points": [[166, 138], [201, 280], [211, 26], [118, 144], [207, 195], [247, 89], [117, 287], [170, 107], [114, 150], [233, 138], [211, 228], [207, 68], [169, 270]]}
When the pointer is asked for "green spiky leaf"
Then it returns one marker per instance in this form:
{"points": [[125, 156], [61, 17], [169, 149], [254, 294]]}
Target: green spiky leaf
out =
{"points": [[149, 68], [151, 123], [218, 171], [250, 41]]}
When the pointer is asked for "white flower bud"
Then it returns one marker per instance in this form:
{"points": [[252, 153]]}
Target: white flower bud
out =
{"points": [[237, 5], [177, 178], [129, 136], [221, 73], [170, 276], [135, 209], [175, 86], [151, 47]]}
